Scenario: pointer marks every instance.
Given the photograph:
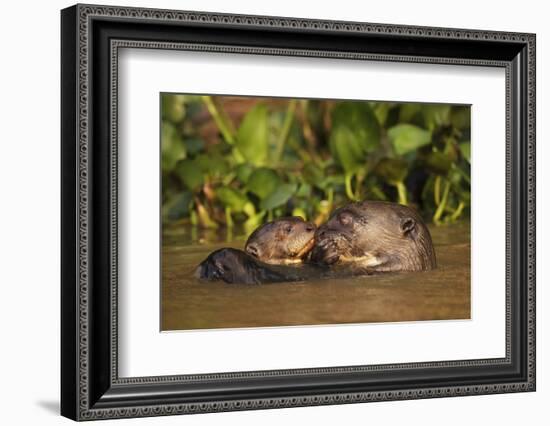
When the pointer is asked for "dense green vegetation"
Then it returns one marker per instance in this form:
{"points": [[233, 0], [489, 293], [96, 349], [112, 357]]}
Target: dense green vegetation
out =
{"points": [[228, 160]]}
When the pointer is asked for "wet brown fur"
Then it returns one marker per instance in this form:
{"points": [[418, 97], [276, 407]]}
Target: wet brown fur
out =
{"points": [[283, 241], [375, 236]]}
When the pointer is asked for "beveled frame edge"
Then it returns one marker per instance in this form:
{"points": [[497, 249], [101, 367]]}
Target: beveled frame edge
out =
{"points": [[75, 374]]}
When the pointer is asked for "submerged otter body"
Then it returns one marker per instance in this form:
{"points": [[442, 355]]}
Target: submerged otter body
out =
{"points": [[375, 236], [234, 266]]}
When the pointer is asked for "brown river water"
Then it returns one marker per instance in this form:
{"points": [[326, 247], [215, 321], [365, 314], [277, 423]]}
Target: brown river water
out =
{"points": [[188, 303]]}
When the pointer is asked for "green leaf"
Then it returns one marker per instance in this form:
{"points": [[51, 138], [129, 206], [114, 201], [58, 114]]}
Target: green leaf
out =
{"points": [[212, 164], [253, 222], [313, 174], [436, 115], [381, 110], [346, 149], [263, 182], [409, 111], [392, 170], [173, 107], [304, 190], [243, 172], [361, 121], [299, 212], [406, 138], [177, 207], [279, 196], [232, 198], [460, 117], [193, 145], [190, 174], [437, 162], [465, 150], [252, 136], [171, 146]]}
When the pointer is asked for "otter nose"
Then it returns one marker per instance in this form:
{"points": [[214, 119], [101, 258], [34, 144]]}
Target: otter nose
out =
{"points": [[310, 227]]}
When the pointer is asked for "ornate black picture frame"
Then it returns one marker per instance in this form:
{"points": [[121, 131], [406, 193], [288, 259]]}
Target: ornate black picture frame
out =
{"points": [[91, 36]]}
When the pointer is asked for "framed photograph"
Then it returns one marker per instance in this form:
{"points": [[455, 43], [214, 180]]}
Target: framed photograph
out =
{"points": [[263, 212]]}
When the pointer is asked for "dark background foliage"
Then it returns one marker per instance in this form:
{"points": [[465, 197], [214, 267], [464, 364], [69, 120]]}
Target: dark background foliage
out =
{"points": [[241, 161]]}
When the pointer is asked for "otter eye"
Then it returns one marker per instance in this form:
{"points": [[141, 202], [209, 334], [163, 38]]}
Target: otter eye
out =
{"points": [[345, 218], [288, 229]]}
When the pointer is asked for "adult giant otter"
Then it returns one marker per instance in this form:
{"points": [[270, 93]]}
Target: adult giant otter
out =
{"points": [[269, 248], [374, 236]]}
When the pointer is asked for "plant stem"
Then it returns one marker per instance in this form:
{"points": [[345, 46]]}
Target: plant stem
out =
{"points": [[463, 174], [441, 206], [458, 211], [401, 193], [437, 190], [377, 192], [287, 123], [359, 178], [330, 195], [204, 218], [228, 218], [221, 119], [349, 190]]}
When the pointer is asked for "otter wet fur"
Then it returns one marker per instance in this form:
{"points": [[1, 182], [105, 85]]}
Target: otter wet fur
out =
{"points": [[284, 241], [374, 236], [234, 266]]}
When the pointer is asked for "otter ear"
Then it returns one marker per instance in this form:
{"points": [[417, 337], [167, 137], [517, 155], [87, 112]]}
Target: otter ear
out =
{"points": [[409, 227], [252, 249]]}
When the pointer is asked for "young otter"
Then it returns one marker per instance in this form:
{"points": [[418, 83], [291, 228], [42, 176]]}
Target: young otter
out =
{"points": [[375, 236], [234, 266], [284, 241], [281, 242]]}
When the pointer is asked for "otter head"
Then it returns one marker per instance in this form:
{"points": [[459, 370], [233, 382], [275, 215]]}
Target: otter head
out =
{"points": [[375, 236], [283, 241]]}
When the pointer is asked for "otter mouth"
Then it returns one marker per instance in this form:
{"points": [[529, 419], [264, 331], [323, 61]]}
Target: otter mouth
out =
{"points": [[304, 251], [331, 248]]}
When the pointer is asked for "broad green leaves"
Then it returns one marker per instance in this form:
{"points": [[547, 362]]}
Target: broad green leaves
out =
{"points": [[177, 206], [406, 138], [190, 174], [347, 149], [263, 182], [232, 198], [252, 136], [392, 170], [238, 161], [173, 107], [437, 162], [465, 150], [172, 148], [279, 196], [355, 133]]}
